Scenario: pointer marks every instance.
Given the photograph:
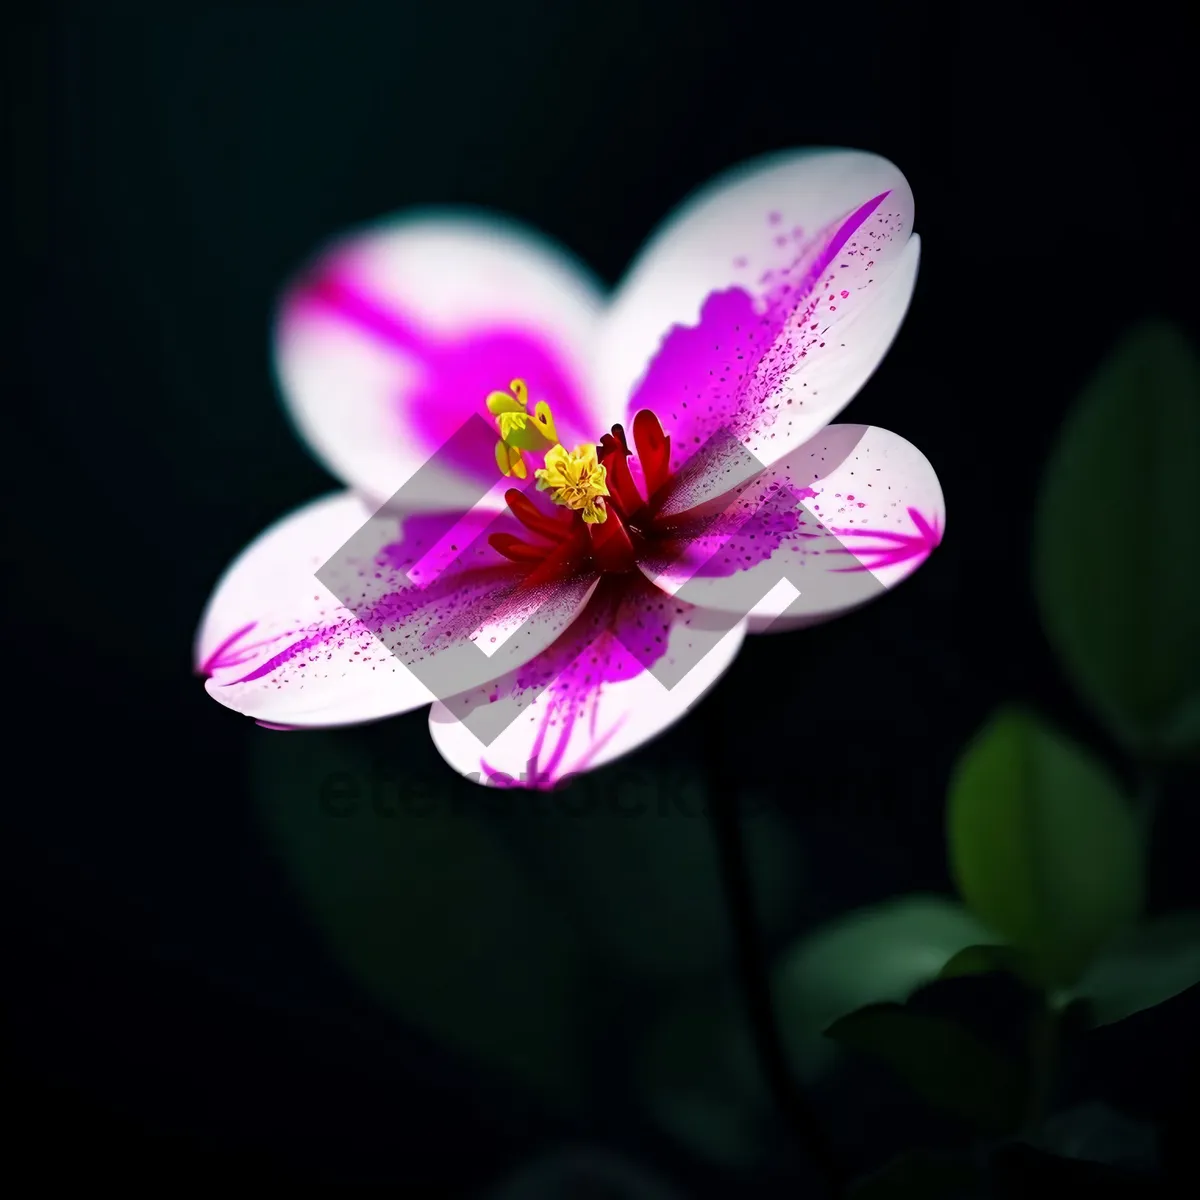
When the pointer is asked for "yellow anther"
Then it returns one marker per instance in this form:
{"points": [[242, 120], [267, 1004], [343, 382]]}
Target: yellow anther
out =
{"points": [[502, 402], [511, 424], [545, 422], [519, 428], [576, 480], [510, 462]]}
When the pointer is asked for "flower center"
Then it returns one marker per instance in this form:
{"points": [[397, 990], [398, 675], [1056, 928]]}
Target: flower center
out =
{"points": [[604, 514], [575, 479]]}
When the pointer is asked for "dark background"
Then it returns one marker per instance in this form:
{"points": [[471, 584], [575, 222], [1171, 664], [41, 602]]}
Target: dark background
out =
{"points": [[164, 991]]}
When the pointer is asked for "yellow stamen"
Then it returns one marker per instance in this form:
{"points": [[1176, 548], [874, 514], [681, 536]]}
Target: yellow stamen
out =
{"points": [[541, 414], [576, 480], [510, 462], [519, 428], [511, 424]]}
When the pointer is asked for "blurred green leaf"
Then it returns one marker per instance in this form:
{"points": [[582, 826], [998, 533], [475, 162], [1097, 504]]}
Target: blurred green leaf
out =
{"points": [[629, 849], [1095, 1132], [980, 960], [919, 1176], [945, 1064], [1148, 966], [697, 1077], [424, 907], [1117, 542], [875, 954], [1043, 847]]}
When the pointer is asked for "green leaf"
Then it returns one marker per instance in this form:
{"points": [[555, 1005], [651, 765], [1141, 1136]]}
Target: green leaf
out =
{"points": [[918, 1176], [1095, 1132], [1043, 847], [875, 954], [945, 1064], [981, 960], [1150, 965], [1117, 543], [422, 904]]}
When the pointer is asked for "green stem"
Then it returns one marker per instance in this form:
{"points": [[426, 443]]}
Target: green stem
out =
{"points": [[752, 965]]}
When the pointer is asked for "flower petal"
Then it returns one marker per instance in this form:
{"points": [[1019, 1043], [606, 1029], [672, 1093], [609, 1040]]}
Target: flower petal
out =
{"points": [[268, 571], [765, 303], [335, 617], [830, 526], [632, 664], [393, 337]]}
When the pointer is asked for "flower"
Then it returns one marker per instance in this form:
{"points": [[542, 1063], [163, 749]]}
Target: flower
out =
{"points": [[556, 618]]}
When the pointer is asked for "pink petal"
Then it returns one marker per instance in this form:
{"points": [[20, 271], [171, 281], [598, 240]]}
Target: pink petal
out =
{"points": [[632, 664], [392, 338], [766, 303], [839, 521], [403, 610]]}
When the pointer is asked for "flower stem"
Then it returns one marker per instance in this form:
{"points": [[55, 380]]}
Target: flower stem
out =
{"points": [[752, 963]]}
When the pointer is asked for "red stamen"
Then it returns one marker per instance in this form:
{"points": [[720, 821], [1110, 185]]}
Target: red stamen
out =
{"points": [[614, 441], [653, 451], [518, 551], [612, 547], [554, 526], [614, 457]]}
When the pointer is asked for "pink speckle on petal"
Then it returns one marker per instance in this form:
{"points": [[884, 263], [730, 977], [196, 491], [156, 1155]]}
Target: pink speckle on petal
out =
{"points": [[738, 369]]}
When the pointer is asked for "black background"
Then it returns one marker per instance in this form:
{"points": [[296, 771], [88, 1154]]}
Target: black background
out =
{"points": [[173, 165]]}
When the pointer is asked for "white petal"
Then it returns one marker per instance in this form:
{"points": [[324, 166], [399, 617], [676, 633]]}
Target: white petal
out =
{"points": [[633, 664], [765, 303], [388, 343], [334, 616], [828, 527], [284, 557]]}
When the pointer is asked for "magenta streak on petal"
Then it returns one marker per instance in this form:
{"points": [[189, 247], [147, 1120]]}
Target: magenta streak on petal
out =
{"points": [[233, 653], [898, 547], [423, 549], [927, 528], [761, 520], [542, 778], [848, 228], [411, 592], [218, 657], [280, 728], [727, 371], [413, 622], [248, 651], [622, 632], [458, 372], [687, 385], [284, 656]]}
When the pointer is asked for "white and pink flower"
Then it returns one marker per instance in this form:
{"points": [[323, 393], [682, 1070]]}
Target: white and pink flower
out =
{"points": [[668, 455]]}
